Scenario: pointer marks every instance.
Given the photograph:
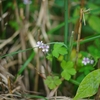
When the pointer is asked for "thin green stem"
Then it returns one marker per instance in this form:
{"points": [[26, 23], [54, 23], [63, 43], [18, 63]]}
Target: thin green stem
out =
{"points": [[74, 82], [26, 63], [66, 21], [71, 41], [16, 52], [58, 43], [61, 25], [56, 28], [88, 39]]}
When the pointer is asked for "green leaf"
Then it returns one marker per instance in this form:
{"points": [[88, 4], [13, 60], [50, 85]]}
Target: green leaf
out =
{"points": [[58, 49], [57, 81], [96, 42], [72, 71], [94, 51], [57, 46], [68, 69], [89, 85], [86, 69], [94, 22], [52, 81], [62, 51], [66, 75], [95, 8], [68, 64], [55, 54]]}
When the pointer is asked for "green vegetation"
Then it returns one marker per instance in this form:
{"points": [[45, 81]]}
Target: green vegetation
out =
{"points": [[49, 49]]}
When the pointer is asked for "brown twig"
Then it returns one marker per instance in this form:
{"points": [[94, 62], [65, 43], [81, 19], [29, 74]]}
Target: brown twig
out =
{"points": [[79, 32], [9, 40], [9, 85], [37, 76]]}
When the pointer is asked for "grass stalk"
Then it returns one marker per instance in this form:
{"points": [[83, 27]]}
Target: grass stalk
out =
{"points": [[88, 39], [66, 21], [61, 25], [26, 63], [71, 41]]}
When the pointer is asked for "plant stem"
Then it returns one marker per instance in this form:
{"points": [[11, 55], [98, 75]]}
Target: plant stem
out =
{"points": [[26, 63], [74, 82], [71, 41], [66, 21], [61, 25], [88, 39], [79, 35]]}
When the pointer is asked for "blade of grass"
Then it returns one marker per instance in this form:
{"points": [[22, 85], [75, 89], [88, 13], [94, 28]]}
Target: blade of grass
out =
{"points": [[56, 28], [35, 97], [71, 41], [95, 10], [88, 39], [66, 21], [61, 25], [26, 63], [13, 53]]}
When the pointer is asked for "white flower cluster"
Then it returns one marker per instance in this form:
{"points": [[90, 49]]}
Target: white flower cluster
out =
{"points": [[86, 61], [44, 47], [27, 2]]}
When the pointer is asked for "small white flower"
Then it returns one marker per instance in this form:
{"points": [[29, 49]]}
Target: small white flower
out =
{"points": [[39, 44], [27, 1], [45, 48], [91, 61], [85, 61]]}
